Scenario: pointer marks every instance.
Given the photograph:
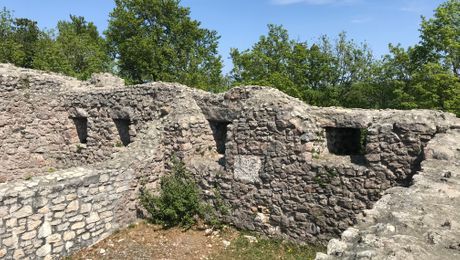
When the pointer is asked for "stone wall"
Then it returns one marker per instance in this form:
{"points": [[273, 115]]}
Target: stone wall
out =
{"points": [[35, 133], [419, 222], [281, 177], [51, 216], [284, 168]]}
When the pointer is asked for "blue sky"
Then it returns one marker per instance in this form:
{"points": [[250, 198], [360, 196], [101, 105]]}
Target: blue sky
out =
{"points": [[241, 22]]}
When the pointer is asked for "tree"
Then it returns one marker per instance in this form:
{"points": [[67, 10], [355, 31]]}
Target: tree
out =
{"points": [[49, 56], [26, 34], [11, 51], [274, 60], [83, 49], [441, 35], [427, 75], [156, 40], [320, 75]]}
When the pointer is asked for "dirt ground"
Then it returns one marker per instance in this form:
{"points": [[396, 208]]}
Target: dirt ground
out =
{"points": [[146, 241]]}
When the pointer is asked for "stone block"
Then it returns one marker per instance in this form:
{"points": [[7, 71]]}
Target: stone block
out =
{"points": [[23, 212], [247, 168], [44, 250], [68, 235], [18, 254], [78, 225], [73, 206], [29, 235], [54, 238], [45, 230], [93, 217]]}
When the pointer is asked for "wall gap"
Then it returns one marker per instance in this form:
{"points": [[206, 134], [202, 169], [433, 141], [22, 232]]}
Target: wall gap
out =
{"points": [[81, 124], [346, 141], [123, 130], [219, 132]]}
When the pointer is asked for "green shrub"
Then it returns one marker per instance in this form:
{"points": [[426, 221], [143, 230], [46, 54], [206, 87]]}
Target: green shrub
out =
{"points": [[179, 201]]}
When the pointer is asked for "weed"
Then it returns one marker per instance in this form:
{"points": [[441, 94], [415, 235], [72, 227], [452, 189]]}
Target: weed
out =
{"points": [[131, 226], [244, 248], [179, 202], [322, 178], [80, 148], [363, 141]]}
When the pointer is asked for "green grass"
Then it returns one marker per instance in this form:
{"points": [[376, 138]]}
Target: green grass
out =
{"points": [[267, 249]]}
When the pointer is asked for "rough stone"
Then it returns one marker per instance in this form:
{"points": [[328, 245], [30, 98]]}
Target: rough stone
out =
{"points": [[23, 212], [54, 238], [44, 250], [69, 235], [45, 230], [73, 206], [247, 168]]}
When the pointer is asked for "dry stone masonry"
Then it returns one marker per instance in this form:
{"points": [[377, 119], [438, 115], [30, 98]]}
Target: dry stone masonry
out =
{"points": [[73, 156]]}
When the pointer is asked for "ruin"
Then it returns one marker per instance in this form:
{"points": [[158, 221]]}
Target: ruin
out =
{"points": [[73, 154]]}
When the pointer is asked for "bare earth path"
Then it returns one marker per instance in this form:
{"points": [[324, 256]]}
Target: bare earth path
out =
{"points": [[145, 241]]}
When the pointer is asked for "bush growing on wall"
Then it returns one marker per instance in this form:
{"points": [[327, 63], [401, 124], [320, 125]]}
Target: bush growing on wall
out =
{"points": [[179, 202]]}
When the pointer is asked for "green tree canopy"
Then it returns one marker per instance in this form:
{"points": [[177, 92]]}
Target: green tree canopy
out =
{"points": [[319, 74], [156, 40], [82, 46], [441, 35], [18, 39], [78, 50]]}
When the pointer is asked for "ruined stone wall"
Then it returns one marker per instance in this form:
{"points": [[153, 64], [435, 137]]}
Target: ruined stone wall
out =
{"points": [[35, 131], [282, 177], [418, 222], [50, 124], [284, 168], [50, 216]]}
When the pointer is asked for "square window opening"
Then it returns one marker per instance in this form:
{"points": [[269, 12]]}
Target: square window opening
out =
{"points": [[346, 141]]}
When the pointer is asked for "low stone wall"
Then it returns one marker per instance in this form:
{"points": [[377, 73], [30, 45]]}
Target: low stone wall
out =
{"points": [[51, 216]]}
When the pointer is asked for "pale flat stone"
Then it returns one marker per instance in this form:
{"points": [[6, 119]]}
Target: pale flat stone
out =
{"points": [[29, 235], [3, 252], [45, 230], [23, 212], [18, 254], [69, 235], [93, 217], [77, 225], [73, 206], [54, 238], [44, 250]]}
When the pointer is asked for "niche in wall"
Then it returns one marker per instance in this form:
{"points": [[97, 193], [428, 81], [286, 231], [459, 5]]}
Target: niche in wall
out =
{"points": [[219, 132], [346, 141], [81, 124], [123, 130]]}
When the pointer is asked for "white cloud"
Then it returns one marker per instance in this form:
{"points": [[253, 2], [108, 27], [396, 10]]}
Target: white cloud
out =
{"points": [[358, 20], [415, 6], [313, 2]]}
